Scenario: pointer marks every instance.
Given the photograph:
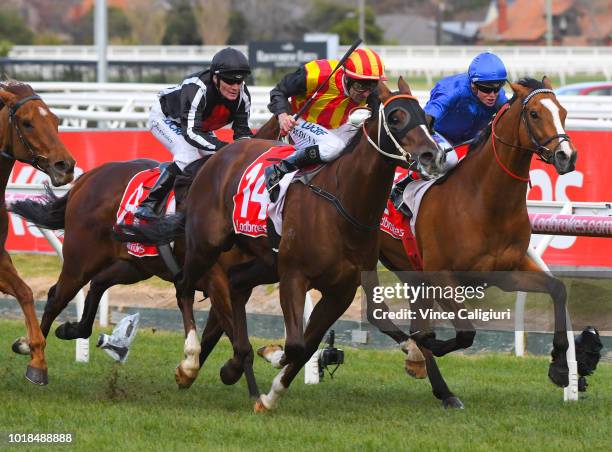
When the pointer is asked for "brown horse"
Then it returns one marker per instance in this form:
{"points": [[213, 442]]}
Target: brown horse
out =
{"points": [[87, 214], [491, 232], [320, 247], [28, 131], [491, 185]]}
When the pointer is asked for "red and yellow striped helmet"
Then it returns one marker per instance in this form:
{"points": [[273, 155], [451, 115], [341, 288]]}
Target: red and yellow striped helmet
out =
{"points": [[365, 64]]}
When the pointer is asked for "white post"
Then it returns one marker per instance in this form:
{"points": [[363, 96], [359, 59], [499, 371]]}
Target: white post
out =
{"points": [[519, 324], [100, 38]]}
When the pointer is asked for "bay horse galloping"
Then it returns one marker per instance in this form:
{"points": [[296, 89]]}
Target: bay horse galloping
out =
{"points": [[319, 247], [87, 214], [29, 134], [477, 220]]}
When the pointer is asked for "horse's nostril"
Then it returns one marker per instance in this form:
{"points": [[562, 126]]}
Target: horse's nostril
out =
{"points": [[426, 157], [561, 156], [61, 166]]}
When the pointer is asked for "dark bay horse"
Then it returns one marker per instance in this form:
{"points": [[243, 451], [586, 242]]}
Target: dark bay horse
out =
{"points": [[87, 214], [490, 185], [319, 247], [29, 134]]}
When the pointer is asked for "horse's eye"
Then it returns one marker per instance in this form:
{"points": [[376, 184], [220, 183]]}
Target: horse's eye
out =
{"points": [[533, 114], [394, 120]]}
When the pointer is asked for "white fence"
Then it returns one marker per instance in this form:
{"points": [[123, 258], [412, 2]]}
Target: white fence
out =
{"points": [[429, 61], [120, 105]]}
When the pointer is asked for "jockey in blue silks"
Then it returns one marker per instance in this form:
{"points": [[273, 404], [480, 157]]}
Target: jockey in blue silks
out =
{"points": [[461, 105]]}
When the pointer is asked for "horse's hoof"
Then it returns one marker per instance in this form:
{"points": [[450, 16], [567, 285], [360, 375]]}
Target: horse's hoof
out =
{"points": [[229, 375], [453, 402], [21, 346], [267, 350], [416, 369], [37, 376], [183, 380], [259, 406], [69, 331], [558, 374]]}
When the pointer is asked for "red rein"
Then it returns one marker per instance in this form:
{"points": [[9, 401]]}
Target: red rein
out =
{"points": [[497, 159]]}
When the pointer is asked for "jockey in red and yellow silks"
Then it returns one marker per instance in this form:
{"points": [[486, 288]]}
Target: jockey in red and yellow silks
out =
{"points": [[322, 132]]}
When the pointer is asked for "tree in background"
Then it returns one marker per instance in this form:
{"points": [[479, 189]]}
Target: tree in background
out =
{"points": [[330, 17], [119, 29], [238, 28], [147, 20], [212, 17], [181, 26], [13, 28]]}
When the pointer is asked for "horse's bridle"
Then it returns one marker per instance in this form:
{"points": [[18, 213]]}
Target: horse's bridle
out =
{"points": [[416, 119], [540, 148], [7, 152]]}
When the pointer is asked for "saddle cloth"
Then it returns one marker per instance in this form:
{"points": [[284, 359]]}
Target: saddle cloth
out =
{"points": [[252, 201], [137, 190]]}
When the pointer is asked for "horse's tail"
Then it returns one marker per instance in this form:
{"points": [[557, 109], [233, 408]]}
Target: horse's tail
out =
{"points": [[164, 230], [47, 212]]}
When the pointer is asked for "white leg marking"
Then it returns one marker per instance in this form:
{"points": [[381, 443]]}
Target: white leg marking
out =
{"points": [[192, 353], [270, 400], [554, 111]]}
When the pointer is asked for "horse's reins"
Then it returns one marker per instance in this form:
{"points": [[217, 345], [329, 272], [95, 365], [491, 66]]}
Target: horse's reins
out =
{"points": [[7, 152], [540, 147], [404, 155]]}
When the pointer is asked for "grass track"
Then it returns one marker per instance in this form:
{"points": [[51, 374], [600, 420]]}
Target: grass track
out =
{"points": [[370, 405]]}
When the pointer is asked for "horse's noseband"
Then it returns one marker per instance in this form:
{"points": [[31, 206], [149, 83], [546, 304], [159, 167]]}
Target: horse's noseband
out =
{"points": [[34, 159], [544, 153], [388, 144]]}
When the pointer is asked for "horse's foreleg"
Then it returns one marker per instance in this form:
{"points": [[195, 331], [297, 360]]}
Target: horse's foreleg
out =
{"points": [[530, 278], [292, 291], [438, 385], [325, 313], [210, 336], [12, 284], [120, 272]]}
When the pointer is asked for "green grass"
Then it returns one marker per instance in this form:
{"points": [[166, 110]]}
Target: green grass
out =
{"points": [[371, 404]]}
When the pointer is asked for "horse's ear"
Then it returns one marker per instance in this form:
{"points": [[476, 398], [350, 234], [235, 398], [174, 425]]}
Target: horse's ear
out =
{"points": [[546, 83], [519, 90], [403, 86], [383, 92], [7, 98]]}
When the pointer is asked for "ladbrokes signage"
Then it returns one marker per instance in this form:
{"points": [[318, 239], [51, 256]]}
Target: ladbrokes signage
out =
{"points": [[285, 54]]}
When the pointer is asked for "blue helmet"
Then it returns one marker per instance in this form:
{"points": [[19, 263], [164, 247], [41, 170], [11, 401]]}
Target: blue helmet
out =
{"points": [[487, 67]]}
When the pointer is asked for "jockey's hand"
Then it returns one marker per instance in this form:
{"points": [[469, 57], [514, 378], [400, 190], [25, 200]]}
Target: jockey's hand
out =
{"points": [[286, 123]]}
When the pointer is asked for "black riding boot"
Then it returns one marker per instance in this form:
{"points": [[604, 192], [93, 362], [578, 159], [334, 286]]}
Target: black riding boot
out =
{"points": [[298, 160], [397, 192], [151, 207]]}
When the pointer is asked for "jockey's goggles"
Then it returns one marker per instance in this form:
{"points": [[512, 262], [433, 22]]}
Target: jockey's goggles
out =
{"points": [[488, 88], [231, 81], [361, 86]]}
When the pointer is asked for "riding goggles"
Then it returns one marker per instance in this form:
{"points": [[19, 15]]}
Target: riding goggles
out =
{"points": [[488, 88]]}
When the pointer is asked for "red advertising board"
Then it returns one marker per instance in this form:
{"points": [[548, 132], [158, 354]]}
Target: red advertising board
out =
{"points": [[587, 183]]}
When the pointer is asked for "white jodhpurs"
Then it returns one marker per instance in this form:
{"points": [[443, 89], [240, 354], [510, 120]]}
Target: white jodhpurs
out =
{"points": [[169, 133], [331, 142]]}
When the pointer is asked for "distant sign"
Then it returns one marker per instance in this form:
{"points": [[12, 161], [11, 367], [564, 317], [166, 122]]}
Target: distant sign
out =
{"points": [[283, 54]]}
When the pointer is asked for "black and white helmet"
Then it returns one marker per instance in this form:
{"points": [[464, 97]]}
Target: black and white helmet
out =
{"points": [[230, 64]]}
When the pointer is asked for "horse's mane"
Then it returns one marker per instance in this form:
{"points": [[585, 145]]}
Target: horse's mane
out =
{"points": [[16, 87], [527, 82]]}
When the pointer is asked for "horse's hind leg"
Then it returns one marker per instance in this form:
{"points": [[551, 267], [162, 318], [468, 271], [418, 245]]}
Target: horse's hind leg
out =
{"points": [[120, 272], [12, 284], [438, 385]]}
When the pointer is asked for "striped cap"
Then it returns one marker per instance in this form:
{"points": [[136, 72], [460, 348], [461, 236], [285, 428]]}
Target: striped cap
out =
{"points": [[365, 64]]}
